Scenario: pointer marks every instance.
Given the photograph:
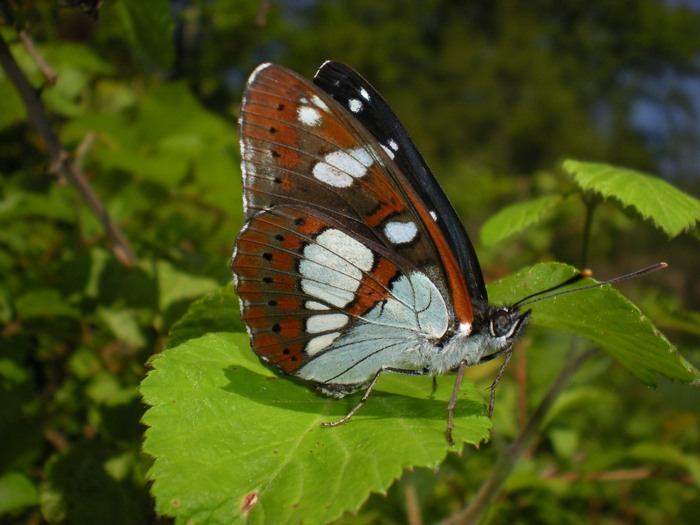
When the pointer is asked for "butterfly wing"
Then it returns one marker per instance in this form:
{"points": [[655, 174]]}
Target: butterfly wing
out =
{"points": [[354, 93], [342, 267], [328, 306], [300, 147]]}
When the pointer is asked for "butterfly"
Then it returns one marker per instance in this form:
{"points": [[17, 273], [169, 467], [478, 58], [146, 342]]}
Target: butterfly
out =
{"points": [[352, 262]]}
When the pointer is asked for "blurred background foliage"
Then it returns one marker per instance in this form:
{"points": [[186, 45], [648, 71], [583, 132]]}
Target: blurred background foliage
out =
{"points": [[495, 93]]}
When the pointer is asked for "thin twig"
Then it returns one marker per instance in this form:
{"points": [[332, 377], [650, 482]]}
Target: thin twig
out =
{"points": [[607, 475], [43, 66], [261, 15], [591, 202], [413, 513], [505, 464], [60, 161], [83, 149], [48, 72]]}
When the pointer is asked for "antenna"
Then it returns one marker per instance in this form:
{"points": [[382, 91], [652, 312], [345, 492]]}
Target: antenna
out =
{"points": [[533, 298]]}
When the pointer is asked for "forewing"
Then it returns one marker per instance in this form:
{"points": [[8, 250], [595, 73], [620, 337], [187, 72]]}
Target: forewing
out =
{"points": [[300, 147], [358, 96]]}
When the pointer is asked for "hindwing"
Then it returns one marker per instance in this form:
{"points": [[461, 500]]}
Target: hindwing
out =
{"points": [[312, 291]]}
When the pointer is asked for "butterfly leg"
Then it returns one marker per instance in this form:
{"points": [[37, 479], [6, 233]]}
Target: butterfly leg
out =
{"points": [[497, 379], [453, 401], [458, 381], [508, 350], [365, 396]]}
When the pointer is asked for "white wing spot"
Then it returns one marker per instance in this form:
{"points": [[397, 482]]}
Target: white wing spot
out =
{"points": [[325, 322], [355, 105], [433, 215], [332, 269], [321, 342], [400, 232], [313, 305], [388, 151], [364, 93], [340, 168], [316, 101], [309, 116], [393, 145], [353, 253]]}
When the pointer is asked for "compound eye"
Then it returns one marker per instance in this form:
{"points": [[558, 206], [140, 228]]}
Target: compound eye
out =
{"points": [[501, 323]]}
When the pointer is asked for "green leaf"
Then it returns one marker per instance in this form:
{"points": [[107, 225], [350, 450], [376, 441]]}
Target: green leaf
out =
{"points": [[123, 324], [516, 217], [667, 207], [602, 315], [177, 285], [147, 25], [12, 111], [225, 430], [215, 312], [16, 492], [44, 303], [667, 454]]}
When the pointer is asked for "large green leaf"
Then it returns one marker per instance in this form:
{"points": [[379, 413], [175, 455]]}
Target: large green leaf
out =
{"points": [[602, 315], [224, 430], [670, 209], [233, 442]]}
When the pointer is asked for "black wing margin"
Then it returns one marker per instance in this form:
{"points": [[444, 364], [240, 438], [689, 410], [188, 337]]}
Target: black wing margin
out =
{"points": [[354, 93]]}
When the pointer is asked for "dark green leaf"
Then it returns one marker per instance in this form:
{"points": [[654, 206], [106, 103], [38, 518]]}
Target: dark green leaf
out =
{"points": [[39, 303], [147, 25], [215, 312], [516, 217]]}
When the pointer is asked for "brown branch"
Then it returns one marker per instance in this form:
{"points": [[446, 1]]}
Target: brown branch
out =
{"points": [[261, 15], [29, 46], [48, 72], [413, 512], [608, 475], [60, 160]]}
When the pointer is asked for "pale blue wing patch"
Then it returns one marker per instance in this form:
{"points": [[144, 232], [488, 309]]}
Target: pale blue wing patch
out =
{"points": [[397, 333]]}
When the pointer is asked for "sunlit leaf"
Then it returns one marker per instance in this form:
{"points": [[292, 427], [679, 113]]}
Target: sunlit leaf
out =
{"points": [[667, 207], [225, 430], [603, 316], [16, 491]]}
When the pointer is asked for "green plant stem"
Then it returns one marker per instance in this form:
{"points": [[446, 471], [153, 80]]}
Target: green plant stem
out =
{"points": [[590, 203], [506, 462]]}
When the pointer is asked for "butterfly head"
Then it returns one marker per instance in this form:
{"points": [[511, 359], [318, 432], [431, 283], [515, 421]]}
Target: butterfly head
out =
{"points": [[499, 327], [507, 322]]}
